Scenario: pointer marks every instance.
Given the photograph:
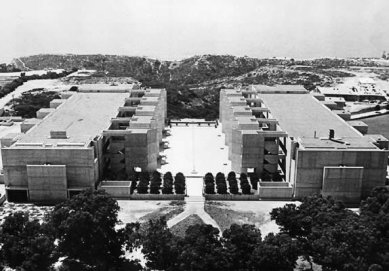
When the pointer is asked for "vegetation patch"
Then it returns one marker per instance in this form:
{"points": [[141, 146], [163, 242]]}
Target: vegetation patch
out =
{"points": [[225, 217], [31, 101], [167, 212], [181, 227]]}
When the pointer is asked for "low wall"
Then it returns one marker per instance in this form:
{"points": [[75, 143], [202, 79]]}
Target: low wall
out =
{"points": [[273, 184], [156, 197], [231, 197], [275, 192], [117, 191]]}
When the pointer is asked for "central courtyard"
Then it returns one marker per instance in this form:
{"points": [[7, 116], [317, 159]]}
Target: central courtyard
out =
{"points": [[195, 150]]}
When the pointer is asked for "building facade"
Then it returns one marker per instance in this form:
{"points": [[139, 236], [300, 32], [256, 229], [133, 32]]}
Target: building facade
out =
{"points": [[296, 141], [81, 139]]}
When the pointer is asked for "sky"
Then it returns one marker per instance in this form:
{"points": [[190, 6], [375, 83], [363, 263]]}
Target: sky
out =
{"points": [[175, 29]]}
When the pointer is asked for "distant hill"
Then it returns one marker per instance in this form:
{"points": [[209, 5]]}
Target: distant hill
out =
{"points": [[193, 84]]}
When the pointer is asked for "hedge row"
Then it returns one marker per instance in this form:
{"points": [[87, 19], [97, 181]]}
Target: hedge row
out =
{"points": [[145, 183], [221, 183]]}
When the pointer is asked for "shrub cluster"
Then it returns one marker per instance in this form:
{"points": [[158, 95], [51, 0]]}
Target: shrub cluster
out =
{"points": [[233, 188], [145, 183]]}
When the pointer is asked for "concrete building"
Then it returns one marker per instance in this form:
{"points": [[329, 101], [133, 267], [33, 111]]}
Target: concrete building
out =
{"points": [[284, 131], [85, 137]]}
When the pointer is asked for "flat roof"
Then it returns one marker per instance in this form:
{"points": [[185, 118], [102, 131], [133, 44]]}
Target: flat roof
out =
{"points": [[301, 115], [279, 89], [343, 143], [83, 116]]}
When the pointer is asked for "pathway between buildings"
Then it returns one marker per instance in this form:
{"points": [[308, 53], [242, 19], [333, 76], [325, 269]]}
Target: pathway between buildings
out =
{"points": [[194, 205]]}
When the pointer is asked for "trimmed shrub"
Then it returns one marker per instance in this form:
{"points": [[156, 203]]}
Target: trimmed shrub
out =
{"points": [[167, 183], [208, 178], [142, 187], [134, 182], [231, 176], [254, 179], [246, 188], [222, 188], [209, 188], [144, 181], [156, 182], [221, 184], [234, 189], [243, 179], [179, 183], [220, 178]]}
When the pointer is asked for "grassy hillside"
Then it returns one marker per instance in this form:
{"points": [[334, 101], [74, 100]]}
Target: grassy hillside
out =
{"points": [[193, 84]]}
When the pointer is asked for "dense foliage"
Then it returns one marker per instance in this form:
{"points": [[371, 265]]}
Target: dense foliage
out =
{"points": [[193, 84], [82, 231], [30, 102], [337, 238]]}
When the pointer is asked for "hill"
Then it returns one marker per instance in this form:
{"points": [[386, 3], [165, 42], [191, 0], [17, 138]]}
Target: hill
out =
{"points": [[193, 84]]}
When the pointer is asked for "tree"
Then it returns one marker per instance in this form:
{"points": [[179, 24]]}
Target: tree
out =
{"points": [[209, 182], [277, 252], [233, 183], [134, 181], [240, 242], [85, 229], [201, 249], [26, 245], [167, 183], [179, 183], [246, 188], [144, 181], [159, 246], [221, 183], [156, 182], [254, 179]]}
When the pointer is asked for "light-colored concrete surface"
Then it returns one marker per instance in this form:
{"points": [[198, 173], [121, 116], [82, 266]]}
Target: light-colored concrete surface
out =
{"points": [[82, 116], [301, 115], [196, 147], [194, 186]]}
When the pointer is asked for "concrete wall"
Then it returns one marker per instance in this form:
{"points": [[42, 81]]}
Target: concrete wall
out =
{"points": [[310, 166], [80, 164], [343, 183], [47, 182]]}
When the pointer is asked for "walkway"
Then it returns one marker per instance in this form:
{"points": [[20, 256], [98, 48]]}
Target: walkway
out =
{"points": [[194, 205]]}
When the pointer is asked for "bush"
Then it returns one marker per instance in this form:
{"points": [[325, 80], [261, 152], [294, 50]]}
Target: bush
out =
{"points": [[254, 180], [142, 188], [246, 188], [179, 183], [134, 182], [209, 188], [243, 179], [234, 188], [222, 188], [167, 183], [231, 176], [221, 183], [209, 178], [144, 181], [220, 178], [156, 182]]}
